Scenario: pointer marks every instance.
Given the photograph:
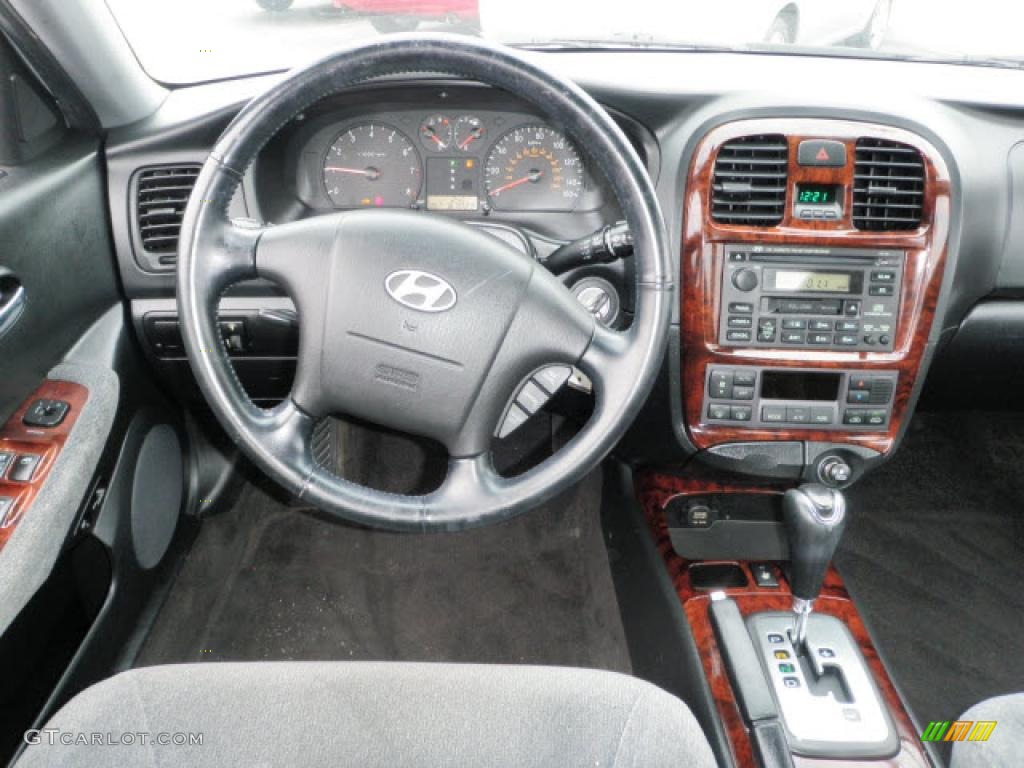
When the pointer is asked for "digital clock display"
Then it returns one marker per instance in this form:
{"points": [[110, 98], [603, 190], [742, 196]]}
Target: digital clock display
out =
{"points": [[817, 194]]}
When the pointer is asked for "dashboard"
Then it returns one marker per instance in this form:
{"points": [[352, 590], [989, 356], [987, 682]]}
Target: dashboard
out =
{"points": [[807, 321]]}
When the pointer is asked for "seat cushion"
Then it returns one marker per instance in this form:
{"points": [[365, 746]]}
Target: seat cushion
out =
{"points": [[371, 714], [1005, 745]]}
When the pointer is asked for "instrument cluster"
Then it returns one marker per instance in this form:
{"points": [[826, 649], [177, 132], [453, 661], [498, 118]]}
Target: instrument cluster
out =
{"points": [[463, 161]]}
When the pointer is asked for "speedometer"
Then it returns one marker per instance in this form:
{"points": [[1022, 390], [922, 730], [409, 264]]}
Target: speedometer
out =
{"points": [[534, 168], [372, 165]]}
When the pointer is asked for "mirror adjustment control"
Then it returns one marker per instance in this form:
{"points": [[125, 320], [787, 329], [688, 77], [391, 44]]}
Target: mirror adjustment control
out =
{"points": [[45, 413], [24, 467]]}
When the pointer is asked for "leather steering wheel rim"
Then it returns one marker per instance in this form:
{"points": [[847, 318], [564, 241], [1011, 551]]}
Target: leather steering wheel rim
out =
{"points": [[216, 252]]}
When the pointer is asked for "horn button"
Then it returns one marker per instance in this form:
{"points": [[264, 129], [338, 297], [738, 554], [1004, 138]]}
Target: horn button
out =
{"points": [[426, 325]]}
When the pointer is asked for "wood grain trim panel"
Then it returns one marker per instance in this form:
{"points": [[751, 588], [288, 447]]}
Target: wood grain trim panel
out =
{"points": [[703, 255], [19, 438], [655, 490]]}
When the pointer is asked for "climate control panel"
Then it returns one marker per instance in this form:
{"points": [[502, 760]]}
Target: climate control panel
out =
{"points": [[756, 397]]}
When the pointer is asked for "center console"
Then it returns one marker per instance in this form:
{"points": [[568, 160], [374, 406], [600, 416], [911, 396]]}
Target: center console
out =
{"points": [[812, 261]]}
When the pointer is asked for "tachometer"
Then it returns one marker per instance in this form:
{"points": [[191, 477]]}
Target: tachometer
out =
{"points": [[534, 168], [372, 165]]}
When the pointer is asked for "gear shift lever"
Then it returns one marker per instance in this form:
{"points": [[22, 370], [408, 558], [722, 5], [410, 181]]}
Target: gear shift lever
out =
{"points": [[815, 516]]}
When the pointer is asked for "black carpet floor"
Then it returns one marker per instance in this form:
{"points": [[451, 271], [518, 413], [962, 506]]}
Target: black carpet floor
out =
{"points": [[265, 581], [934, 556]]}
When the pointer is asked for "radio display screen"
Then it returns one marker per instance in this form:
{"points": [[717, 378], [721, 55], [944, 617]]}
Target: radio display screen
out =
{"points": [[808, 281]]}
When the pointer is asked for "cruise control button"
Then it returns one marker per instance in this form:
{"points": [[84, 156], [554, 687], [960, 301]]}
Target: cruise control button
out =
{"points": [[553, 377], [513, 420], [773, 414], [741, 412], [719, 412], [531, 398], [24, 467]]}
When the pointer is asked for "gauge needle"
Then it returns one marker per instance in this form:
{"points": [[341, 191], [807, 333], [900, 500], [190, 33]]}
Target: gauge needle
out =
{"points": [[469, 139], [531, 176], [370, 173], [435, 138]]}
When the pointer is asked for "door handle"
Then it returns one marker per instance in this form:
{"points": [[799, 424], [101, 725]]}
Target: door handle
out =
{"points": [[12, 300]]}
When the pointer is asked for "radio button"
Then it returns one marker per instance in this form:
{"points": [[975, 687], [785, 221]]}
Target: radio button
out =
{"points": [[799, 414], [855, 418], [741, 322], [869, 339], [821, 415], [792, 324], [741, 412], [741, 308], [721, 385], [847, 325], [737, 336], [766, 328], [744, 378], [742, 393], [846, 339], [828, 307], [883, 277], [819, 338], [792, 338], [881, 290], [719, 412], [851, 308], [773, 414], [820, 325]]}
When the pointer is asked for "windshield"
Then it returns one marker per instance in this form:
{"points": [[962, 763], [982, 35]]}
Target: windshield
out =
{"points": [[186, 41]]}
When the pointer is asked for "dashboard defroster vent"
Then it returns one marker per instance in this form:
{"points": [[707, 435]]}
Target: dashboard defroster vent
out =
{"points": [[160, 198], [888, 186], [750, 179]]}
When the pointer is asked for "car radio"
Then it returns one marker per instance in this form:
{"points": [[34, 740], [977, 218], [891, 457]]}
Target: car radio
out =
{"points": [[809, 297]]}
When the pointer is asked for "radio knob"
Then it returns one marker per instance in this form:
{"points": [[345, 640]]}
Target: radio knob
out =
{"points": [[745, 279]]}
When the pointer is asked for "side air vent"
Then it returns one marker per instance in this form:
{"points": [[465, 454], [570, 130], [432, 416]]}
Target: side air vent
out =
{"points": [[749, 185], [888, 186], [160, 198]]}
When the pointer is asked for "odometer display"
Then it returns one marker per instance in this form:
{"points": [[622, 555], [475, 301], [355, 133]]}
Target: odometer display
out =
{"points": [[372, 165], [533, 168]]}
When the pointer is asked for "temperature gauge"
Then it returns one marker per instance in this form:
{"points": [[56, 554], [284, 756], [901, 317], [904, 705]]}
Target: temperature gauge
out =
{"points": [[469, 132]]}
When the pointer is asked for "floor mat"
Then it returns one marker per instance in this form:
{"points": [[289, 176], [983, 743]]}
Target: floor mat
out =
{"points": [[933, 554], [266, 581]]}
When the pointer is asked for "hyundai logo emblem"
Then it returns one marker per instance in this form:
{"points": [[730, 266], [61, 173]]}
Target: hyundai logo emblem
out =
{"points": [[420, 290]]}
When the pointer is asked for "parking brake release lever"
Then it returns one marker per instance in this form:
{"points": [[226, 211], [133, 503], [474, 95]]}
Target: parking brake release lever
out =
{"points": [[815, 517]]}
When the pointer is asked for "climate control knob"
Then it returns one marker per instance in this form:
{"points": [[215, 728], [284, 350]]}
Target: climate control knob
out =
{"points": [[745, 279]]}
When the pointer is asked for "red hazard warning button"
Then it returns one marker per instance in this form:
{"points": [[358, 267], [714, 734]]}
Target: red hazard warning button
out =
{"points": [[822, 153]]}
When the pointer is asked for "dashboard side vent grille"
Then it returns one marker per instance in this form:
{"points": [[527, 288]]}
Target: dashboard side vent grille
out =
{"points": [[888, 186], [161, 195], [749, 184]]}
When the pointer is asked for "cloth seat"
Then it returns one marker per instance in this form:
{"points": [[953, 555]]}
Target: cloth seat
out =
{"points": [[369, 714], [1005, 746]]}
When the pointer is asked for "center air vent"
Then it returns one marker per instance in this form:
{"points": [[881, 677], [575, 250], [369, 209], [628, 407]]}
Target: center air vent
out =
{"points": [[749, 185], [161, 195], [888, 186]]}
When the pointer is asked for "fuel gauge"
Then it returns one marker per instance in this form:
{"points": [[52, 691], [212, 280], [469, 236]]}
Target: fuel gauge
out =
{"points": [[469, 131], [436, 133]]}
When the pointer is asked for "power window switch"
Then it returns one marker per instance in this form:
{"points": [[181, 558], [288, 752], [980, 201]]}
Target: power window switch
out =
{"points": [[24, 467], [6, 457], [6, 506]]}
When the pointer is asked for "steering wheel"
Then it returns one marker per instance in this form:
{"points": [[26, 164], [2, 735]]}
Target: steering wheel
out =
{"points": [[413, 321]]}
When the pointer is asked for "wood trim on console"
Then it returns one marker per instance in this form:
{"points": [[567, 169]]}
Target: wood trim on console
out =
{"points": [[703, 255], [655, 491], [18, 438]]}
